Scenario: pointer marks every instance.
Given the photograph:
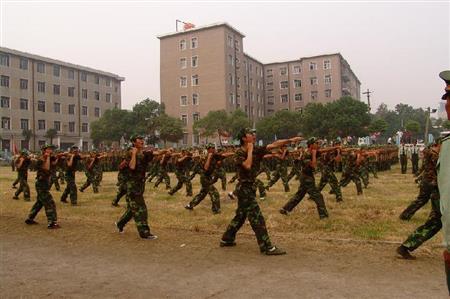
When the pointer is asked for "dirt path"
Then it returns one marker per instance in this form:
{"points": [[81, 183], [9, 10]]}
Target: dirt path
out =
{"points": [[78, 262]]}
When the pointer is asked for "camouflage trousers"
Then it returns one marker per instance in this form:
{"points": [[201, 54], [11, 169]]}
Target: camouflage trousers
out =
{"points": [[54, 180], [71, 189], [182, 180], [425, 232], [248, 208], [351, 175], [372, 168], [23, 187], [364, 175], [234, 178], [403, 163], [16, 181], [91, 178], [136, 209], [44, 199], [294, 172], [280, 173], [61, 178], [427, 191], [307, 186], [207, 187], [328, 177], [222, 176], [121, 192], [163, 176]]}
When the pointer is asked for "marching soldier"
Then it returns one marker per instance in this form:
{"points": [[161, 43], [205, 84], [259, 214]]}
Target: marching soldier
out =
{"points": [[182, 172], [329, 157], [92, 171], [22, 165], [122, 178], [281, 169], [403, 156], [72, 160]]}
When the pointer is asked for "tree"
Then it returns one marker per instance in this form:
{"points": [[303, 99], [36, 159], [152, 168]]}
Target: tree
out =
{"points": [[283, 124], [144, 116], [412, 126], [50, 134], [114, 124], [378, 125], [170, 128], [214, 122], [236, 121]]}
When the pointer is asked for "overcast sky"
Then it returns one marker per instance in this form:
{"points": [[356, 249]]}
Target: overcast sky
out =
{"points": [[395, 49]]}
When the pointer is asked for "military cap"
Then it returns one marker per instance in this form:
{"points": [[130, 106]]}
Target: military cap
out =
{"points": [[445, 75], [136, 136], [244, 132], [47, 145], [24, 152], [210, 145], [311, 140]]}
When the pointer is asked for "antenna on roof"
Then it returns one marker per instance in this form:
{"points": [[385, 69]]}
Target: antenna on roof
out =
{"points": [[186, 25]]}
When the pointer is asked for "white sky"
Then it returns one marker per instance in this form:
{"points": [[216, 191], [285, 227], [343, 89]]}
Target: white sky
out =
{"points": [[396, 49]]}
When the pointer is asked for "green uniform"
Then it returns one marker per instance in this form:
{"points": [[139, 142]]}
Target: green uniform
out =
{"points": [[92, 174], [163, 172], [280, 173], [351, 173], [444, 187], [23, 179], [71, 187], [328, 176], [122, 178], [182, 174]]}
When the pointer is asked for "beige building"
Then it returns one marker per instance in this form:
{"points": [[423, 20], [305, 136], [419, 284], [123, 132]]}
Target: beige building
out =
{"points": [[39, 93], [205, 68]]}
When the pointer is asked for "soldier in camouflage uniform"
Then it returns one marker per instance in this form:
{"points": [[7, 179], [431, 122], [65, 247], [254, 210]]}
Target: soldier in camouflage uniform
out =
{"points": [[122, 178], [248, 160], [431, 226], [22, 165], [153, 170], [13, 168], [351, 170], [427, 185], [137, 160], [182, 173], [364, 169], [92, 171], [221, 174], [307, 183], [281, 169], [328, 159], [44, 166], [296, 165], [163, 171], [71, 168], [54, 179]]}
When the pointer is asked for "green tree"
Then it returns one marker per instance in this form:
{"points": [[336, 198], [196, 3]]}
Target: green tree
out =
{"points": [[413, 126], [378, 125], [214, 122], [51, 134], [144, 116], [347, 117], [113, 124], [237, 120], [170, 128]]}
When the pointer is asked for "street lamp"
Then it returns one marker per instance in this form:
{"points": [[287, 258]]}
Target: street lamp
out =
{"points": [[427, 121]]}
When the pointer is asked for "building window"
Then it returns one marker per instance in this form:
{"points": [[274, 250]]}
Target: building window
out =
{"points": [[24, 125], [194, 43], [4, 59], [71, 91], [23, 84], [97, 112], [298, 97], [40, 67], [231, 98], [195, 80], [97, 79], [313, 80], [284, 84], [184, 141], [84, 93], [71, 126], [195, 116], [196, 138], [284, 98], [283, 71], [269, 84], [71, 109], [328, 93], [41, 106], [6, 123], [296, 70], [96, 95], [326, 64], [194, 61], [57, 125], [183, 82], [230, 60], [41, 86], [183, 101], [84, 127], [83, 76], [4, 103], [56, 89], [327, 79], [41, 124], [314, 95], [183, 62], [71, 74], [57, 107], [230, 41], [269, 71], [108, 82], [251, 82], [184, 119], [23, 64], [84, 110], [56, 70], [237, 46], [297, 83], [4, 81], [312, 66], [23, 104], [182, 45], [195, 99], [270, 100], [108, 98]]}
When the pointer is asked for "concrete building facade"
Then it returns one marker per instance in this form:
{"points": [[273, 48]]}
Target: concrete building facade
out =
{"points": [[205, 68], [39, 93]]}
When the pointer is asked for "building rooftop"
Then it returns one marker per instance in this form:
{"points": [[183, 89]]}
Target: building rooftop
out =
{"points": [[59, 62], [201, 28]]}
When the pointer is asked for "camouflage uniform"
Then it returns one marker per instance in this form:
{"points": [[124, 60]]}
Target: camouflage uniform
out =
{"points": [[44, 197], [280, 172], [247, 204], [307, 185], [122, 178], [364, 171], [427, 185], [162, 175], [54, 179], [182, 174], [92, 174], [350, 173], [23, 179], [328, 176], [136, 207], [296, 169], [71, 187], [221, 174]]}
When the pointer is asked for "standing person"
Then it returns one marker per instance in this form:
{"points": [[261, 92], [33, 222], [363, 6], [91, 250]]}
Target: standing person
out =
{"points": [[414, 152], [163, 170], [307, 183], [403, 156], [137, 160], [122, 178], [72, 160], [44, 166], [351, 171], [14, 160], [248, 159], [281, 169], [443, 178], [92, 171], [23, 163], [329, 157], [182, 172]]}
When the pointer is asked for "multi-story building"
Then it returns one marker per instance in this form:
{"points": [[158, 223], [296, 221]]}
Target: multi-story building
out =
{"points": [[39, 93], [205, 68]]}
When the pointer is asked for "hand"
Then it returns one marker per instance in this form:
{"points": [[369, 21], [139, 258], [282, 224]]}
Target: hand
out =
{"points": [[296, 139], [134, 150], [250, 147]]}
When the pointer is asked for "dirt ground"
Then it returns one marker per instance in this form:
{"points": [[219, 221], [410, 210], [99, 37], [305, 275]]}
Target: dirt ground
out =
{"points": [[87, 258]]}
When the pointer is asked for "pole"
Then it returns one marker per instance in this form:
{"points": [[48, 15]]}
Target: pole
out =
{"points": [[368, 92], [427, 120]]}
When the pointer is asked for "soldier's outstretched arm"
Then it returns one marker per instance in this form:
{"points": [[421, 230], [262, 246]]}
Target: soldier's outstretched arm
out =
{"points": [[282, 142]]}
